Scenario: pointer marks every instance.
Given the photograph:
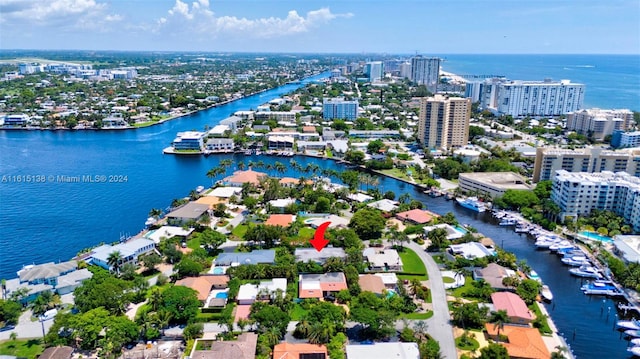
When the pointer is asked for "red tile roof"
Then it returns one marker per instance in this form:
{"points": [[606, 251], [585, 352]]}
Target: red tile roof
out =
{"points": [[522, 342], [293, 351], [249, 176], [283, 220], [203, 284], [416, 216], [512, 304]]}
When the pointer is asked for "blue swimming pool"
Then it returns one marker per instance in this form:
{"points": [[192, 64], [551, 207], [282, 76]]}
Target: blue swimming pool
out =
{"points": [[221, 295], [461, 229], [596, 236], [218, 270], [391, 293]]}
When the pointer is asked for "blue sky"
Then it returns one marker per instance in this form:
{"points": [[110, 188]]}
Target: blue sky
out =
{"points": [[345, 26]]}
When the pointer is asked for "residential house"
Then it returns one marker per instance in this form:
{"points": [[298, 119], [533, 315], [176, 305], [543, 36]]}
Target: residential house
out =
{"points": [[382, 259], [190, 212], [383, 350], [390, 280], [452, 233], [244, 347], [279, 205], [129, 252], [264, 256], [338, 147], [219, 145], [469, 250], [311, 254], [61, 278], [522, 342], [225, 192], [249, 293], [416, 216], [300, 351], [334, 221], [204, 284], [240, 177], [282, 220], [385, 205], [281, 142], [515, 307], [168, 232], [290, 182], [371, 283], [321, 285], [493, 274]]}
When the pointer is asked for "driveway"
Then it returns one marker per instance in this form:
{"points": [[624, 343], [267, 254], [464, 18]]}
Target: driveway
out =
{"points": [[440, 327], [26, 329]]}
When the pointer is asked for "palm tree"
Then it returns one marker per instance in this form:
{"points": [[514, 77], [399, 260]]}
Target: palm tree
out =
{"points": [[559, 353], [226, 163], [213, 173], [280, 167], [155, 297], [241, 166], [415, 285], [499, 319], [163, 319], [155, 213], [321, 333], [114, 260], [272, 336], [303, 327]]}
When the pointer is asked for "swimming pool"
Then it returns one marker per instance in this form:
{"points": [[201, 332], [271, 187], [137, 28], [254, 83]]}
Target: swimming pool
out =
{"points": [[391, 293], [461, 230], [218, 270], [596, 236], [221, 295]]}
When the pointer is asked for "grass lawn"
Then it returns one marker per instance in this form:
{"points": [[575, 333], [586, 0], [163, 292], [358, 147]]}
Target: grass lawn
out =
{"points": [[194, 243], [240, 230], [22, 348], [438, 258], [459, 292], [395, 172], [468, 343], [448, 280], [297, 312], [306, 233], [417, 316], [541, 322], [411, 263]]}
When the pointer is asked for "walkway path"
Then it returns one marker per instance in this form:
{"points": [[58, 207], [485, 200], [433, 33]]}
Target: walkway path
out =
{"points": [[439, 325]]}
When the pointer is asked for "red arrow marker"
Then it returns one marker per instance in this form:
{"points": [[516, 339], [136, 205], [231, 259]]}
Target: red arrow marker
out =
{"points": [[318, 242]]}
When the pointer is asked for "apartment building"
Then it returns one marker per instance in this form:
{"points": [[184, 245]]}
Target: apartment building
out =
{"points": [[532, 98], [444, 121], [339, 108], [426, 71], [374, 70], [492, 184], [577, 194], [549, 160], [598, 123], [620, 139]]}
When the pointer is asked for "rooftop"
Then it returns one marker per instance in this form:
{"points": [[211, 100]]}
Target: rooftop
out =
{"points": [[283, 220], [512, 304], [506, 180], [471, 250], [371, 283], [385, 205], [225, 192], [522, 342], [242, 348], [190, 210], [237, 258], [293, 351], [203, 284], [384, 350], [418, 216], [47, 270], [311, 254], [248, 176]]}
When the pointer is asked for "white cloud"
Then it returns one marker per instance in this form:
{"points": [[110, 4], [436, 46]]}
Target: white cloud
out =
{"points": [[46, 10], [198, 18]]}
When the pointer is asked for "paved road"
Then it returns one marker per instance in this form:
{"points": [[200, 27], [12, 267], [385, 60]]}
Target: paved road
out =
{"points": [[439, 325], [26, 329]]}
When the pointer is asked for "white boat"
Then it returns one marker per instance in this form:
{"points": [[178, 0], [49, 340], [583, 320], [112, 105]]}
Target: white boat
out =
{"points": [[586, 272], [199, 189], [632, 333], [634, 350], [564, 244], [150, 221], [601, 287], [508, 222], [522, 229], [576, 261], [632, 324], [472, 203], [534, 275], [544, 242], [635, 341], [545, 292]]}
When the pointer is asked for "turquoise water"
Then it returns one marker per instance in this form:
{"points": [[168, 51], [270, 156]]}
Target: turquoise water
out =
{"points": [[222, 295], [390, 293], [596, 236], [218, 270], [461, 229]]}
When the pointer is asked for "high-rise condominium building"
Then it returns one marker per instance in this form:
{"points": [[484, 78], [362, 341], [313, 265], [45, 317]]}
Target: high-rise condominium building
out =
{"points": [[598, 123], [621, 139], [444, 121], [550, 160], [374, 70], [577, 194], [532, 98], [426, 71], [339, 108]]}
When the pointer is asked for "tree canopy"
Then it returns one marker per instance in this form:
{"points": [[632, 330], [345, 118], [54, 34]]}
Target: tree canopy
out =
{"points": [[367, 223]]}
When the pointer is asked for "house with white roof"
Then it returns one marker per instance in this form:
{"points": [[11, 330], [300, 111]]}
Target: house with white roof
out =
{"points": [[452, 233], [249, 293], [225, 192], [382, 259], [168, 232], [311, 254], [469, 250], [383, 350], [279, 205], [385, 205], [359, 197], [61, 278], [129, 252]]}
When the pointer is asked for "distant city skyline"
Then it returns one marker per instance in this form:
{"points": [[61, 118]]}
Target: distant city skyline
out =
{"points": [[329, 26]]}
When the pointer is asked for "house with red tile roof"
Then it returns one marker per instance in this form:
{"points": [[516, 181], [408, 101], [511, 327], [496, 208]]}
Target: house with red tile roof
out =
{"points": [[522, 342], [300, 351], [282, 220], [204, 284], [371, 283], [240, 177], [416, 216], [321, 285], [515, 307]]}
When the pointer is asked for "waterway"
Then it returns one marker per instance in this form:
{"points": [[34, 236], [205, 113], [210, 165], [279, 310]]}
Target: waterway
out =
{"points": [[52, 221]]}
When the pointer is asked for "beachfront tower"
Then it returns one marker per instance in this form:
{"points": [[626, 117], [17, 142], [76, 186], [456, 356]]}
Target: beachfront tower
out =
{"points": [[444, 121], [426, 71]]}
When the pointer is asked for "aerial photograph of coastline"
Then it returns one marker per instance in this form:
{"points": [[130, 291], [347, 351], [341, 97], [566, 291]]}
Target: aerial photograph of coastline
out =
{"points": [[319, 179]]}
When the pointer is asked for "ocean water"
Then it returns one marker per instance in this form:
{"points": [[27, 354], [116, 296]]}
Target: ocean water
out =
{"points": [[612, 81], [52, 221]]}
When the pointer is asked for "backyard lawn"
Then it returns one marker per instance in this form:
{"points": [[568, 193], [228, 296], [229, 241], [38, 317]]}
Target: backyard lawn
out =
{"points": [[417, 316], [411, 263], [21, 348], [297, 312], [240, 231]]}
